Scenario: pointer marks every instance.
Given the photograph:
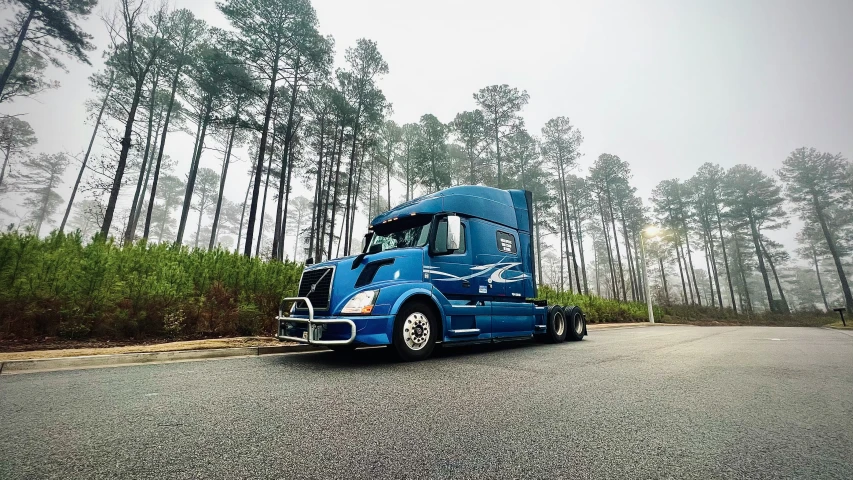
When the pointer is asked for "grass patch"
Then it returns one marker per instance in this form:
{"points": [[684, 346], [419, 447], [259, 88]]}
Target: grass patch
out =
{"points": [[841, 326]]}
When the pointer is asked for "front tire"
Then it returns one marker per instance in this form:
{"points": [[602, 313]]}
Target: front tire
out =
{"points": [[556, 327], [415, 331]]}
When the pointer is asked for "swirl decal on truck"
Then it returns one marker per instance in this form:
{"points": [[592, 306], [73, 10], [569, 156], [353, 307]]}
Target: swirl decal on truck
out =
{"points": [[497, 273]]}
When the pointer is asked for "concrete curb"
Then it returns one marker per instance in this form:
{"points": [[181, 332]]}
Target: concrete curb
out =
{"points": [[93, 361]]}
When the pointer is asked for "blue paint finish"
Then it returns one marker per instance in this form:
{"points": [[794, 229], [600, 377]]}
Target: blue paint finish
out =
{"points": [[481, 292]]}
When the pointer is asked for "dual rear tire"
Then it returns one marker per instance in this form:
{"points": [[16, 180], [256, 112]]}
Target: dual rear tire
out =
{"points": [[565, 323]]}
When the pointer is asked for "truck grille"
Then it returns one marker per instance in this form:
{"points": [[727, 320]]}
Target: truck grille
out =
{"points": [[322, 278]]}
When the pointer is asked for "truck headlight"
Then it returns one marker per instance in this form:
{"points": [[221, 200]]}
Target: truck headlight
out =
{"points": [[362, 303]]}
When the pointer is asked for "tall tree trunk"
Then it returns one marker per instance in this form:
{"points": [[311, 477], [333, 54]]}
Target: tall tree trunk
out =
{"points": [[565, 225], [641, 279], [565, 238], [262, 219], [710, 277], [360, 163], [663, 279], [201, 206], [215, 226], [314, 231], [188, 193], [498, 153], [19, 43], [833, 250], [85, 157], [709, 232], [739, 258], [51, 184], [690, 260], [6, 154], [122, 159], [579, 230], [337, 144], [681, 272], [604, 228], [597, 270], [355, 131], [286, 204], [256, 191], [690, 288], [166, 206], [296, 240], [131, 224], [243, 214], [616, 241], [388, 177], [141, 199], [408, 173], [287, 163], [175, 79], [264, 202], [335, 196], [562, 255], [819, 281], [756, 243], [785, 307], [324, 211], [726, 260], [631, 272]]}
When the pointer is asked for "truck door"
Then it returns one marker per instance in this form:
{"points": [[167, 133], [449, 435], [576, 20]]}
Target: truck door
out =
{"points": [[453, 275], [511, 315]]}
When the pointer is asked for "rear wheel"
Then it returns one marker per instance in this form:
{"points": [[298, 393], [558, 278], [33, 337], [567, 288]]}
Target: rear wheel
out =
{"points": [[576, 323], [556, 327], [415, 332]]}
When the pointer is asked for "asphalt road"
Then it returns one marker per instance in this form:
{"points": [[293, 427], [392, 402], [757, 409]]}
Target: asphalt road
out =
{"points": [[662, 402]]}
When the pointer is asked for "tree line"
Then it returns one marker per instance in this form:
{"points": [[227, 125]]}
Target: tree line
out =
{"points": [[268, 86]]}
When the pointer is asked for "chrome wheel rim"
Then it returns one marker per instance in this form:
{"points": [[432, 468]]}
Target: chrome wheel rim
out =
{"points": [[578, 324], [559, 324], [416, 331]]}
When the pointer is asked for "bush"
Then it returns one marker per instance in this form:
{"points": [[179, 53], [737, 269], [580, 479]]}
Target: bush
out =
{"points": [[61, 286], [600, 310], [603, 310]]}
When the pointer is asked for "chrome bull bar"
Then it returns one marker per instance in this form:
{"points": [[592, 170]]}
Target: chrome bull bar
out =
{"points": [[314, 327]]}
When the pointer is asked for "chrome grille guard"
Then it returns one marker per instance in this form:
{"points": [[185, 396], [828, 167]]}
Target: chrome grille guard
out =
{"points": [[314, 326]]}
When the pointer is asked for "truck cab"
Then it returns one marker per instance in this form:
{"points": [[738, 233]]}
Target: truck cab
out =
{"points": [[452, 267]]}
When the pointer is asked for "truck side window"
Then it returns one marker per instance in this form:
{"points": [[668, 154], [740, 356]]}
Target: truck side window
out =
{"points": [[506, 242], [441, 239]]}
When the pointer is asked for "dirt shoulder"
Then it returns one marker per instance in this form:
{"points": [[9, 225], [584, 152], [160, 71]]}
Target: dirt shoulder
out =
{"points": [[76, 349]]}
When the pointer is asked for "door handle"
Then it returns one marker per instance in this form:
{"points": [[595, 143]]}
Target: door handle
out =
{"points": [[466, 283]]}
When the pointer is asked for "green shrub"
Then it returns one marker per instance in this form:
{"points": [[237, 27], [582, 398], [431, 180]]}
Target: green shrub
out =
{"points": [[60, 285], [601, 310]]}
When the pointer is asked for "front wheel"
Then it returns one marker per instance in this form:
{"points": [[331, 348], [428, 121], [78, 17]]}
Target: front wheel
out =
{"points": [[414, 332]]}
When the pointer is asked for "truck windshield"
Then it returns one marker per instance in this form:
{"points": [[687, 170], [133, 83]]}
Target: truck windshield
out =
{"points": [[403, 237]]}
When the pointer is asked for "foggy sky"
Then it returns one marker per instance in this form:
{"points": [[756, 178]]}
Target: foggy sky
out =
{"points": [[666, 85]]}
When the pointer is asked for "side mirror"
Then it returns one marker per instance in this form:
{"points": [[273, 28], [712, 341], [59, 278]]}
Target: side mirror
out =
{"points": [[309, 261], [454, 232]]}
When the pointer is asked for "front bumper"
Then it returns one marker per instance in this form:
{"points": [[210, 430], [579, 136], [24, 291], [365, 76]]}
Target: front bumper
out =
{"points": [[313, 328]]}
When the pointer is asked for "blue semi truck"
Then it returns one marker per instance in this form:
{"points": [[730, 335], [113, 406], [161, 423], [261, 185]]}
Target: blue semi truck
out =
{"points": [[452, 267]]}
